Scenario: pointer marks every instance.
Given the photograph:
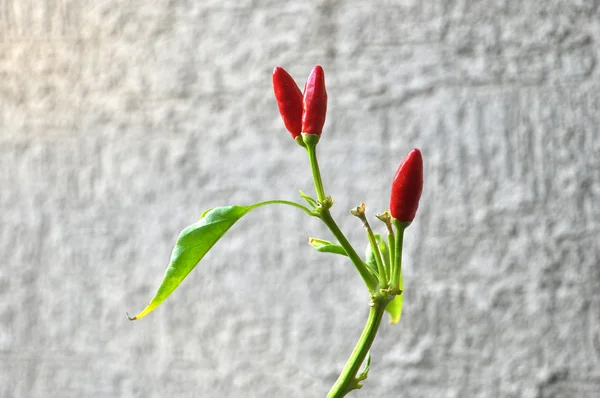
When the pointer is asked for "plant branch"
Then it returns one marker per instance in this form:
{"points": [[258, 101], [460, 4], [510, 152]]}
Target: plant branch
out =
{"points": [[364, 272], [399, 241], [378, 258], [347, 381], [311, 141], [284, 202]]}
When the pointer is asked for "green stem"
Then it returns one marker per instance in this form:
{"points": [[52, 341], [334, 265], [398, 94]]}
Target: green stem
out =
{"points": [[383, 275], [284, 202], [397, 266], [311, 148], [369, 279], [392, 252], [346, 382], [311, 141]]}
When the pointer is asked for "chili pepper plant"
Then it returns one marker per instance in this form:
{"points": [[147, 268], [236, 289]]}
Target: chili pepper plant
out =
{"points": [[303, 114]]}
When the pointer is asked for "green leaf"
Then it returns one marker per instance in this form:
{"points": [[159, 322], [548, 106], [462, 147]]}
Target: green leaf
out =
{"points": [[193, 243], [325, 246], [311, 201], [357, 384], [205, 213], [394, 307], [363, 375]]}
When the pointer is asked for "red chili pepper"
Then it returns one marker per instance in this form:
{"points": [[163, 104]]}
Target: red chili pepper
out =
{"points": [[314, 104], [289, 100], [407, 187]]}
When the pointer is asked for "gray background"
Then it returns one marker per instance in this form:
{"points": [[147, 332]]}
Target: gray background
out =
{"points": [[121, 121]]}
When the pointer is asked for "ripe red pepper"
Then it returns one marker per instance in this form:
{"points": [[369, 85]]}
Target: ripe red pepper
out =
{"points": [[314, 104], [407, 187], [289, 100]]}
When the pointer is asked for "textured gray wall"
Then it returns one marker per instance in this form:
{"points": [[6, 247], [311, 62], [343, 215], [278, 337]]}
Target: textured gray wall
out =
{"points": [[121, 121]]}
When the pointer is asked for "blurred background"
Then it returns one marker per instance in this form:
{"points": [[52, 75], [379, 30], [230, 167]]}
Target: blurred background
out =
{"points": [[122, 121]]}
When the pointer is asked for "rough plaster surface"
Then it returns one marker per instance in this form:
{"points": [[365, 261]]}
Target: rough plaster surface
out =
{"points": [[121, 121]]}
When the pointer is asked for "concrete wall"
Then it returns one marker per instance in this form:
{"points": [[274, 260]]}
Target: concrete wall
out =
{"points": [[121, 121]]}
